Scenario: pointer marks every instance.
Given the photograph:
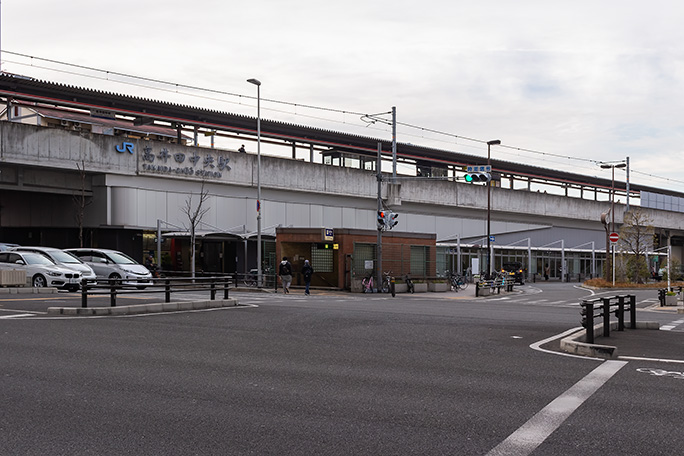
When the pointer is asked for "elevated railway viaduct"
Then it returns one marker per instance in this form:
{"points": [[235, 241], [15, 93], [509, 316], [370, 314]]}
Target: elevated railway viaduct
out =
{"points": [[134, 163]]}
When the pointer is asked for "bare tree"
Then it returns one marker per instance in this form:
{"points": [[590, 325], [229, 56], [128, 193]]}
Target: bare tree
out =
{"points": [[195, 214], [80, 200], [636, 238]]}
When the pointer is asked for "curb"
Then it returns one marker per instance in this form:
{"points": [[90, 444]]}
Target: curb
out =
{"points": [[143, 308], [28, 290], [575, 344]]}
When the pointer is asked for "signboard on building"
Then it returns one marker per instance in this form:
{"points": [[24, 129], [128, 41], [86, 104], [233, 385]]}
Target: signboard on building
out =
{"points": [[478, 169], [205, 164], [328, 234]]}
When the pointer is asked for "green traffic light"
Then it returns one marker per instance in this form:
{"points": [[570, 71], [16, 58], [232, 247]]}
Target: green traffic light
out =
{"points": [[468, 177]]}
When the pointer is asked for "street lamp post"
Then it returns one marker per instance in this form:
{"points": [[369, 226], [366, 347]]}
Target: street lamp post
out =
{"points": [[257, 83], [494, 142], [612, 167]]}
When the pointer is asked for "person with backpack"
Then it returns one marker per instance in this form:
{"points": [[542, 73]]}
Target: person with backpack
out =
{"points": [[285, 272], [307, 272]]}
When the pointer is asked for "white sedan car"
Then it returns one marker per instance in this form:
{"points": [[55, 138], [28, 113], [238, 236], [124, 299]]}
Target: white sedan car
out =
{"points": [[42, 271], [62, 258]]}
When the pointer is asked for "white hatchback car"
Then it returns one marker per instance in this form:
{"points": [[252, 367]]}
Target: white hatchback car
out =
{"points": [[42, 271], [62, 258], [115, 265]]}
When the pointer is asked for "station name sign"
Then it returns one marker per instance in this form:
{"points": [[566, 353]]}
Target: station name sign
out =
{"points": [[162, 161]]}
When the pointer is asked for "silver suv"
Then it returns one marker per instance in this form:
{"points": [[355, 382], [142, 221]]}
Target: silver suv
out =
{"points": [[112, 264], [62, 258]]}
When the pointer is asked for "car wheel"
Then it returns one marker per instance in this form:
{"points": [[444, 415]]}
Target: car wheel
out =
{"points": [[115, 279], [39, 281]]}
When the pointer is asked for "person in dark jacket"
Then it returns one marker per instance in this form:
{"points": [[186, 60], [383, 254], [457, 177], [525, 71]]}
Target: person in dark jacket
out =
{"points": [[307, 272]]}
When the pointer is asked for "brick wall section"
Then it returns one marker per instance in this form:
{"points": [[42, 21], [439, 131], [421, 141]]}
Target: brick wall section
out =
{"points": [[292, 242]]}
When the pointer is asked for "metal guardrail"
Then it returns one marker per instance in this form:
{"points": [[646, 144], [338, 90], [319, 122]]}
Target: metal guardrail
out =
{"points": [[662, 292], [169, 285], [604, 307]]}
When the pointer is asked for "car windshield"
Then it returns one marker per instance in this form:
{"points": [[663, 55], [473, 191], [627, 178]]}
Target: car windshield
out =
{"points": [[120, 258], [37, 258], [64, 257]]}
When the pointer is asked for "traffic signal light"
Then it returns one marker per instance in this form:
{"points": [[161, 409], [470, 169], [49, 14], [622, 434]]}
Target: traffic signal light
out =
{"points": [[478, 177], [382, 222], [392, 220]]}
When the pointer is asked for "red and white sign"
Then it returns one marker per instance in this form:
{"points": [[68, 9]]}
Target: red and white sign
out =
{"points": [[614, 237]]}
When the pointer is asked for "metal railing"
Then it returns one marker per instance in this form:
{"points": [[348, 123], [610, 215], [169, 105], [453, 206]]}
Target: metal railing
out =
{"points": [[604, 307], [168, 285]]}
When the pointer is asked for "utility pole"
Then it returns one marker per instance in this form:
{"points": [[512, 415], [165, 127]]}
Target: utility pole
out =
{"points": [[378, 170], [394, 144]]}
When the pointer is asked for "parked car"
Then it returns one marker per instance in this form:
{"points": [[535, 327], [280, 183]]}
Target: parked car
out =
{"points": [[515, 270], [112, 264], [41, 270], [62, 258], [4, 246]]}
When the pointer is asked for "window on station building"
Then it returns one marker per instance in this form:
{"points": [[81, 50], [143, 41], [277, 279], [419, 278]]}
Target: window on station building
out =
{"points": [[363, 253], [322, 257], [419, 256]]}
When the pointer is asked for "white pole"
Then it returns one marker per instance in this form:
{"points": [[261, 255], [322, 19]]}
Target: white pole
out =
{"points": [[669, 252], [529, 257], [613, 246], [562, 260], [159, 240], [459, 267], [627, 185]]}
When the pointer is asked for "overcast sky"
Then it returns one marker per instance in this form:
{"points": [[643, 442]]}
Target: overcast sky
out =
{"points": [[592, 80]]}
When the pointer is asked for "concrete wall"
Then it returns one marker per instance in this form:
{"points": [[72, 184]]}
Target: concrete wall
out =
{"points": [[135, 189]]}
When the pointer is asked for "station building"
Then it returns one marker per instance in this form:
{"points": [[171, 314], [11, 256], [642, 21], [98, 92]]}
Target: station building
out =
{"points": [[82, 167]]}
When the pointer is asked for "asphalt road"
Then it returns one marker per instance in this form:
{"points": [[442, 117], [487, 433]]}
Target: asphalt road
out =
{"points": [[332, 374]]}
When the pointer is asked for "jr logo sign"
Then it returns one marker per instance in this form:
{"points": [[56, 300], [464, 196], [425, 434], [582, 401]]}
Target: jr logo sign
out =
{"points": [[125, 147]]}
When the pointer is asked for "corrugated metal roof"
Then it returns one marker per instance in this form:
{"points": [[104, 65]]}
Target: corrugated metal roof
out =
{"points": [[21, 87], [80, 117]]}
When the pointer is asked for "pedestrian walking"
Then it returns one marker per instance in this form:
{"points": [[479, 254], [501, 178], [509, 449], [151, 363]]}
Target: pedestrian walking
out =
{"points": [[546, 272], [307, 272], [285, 272]]}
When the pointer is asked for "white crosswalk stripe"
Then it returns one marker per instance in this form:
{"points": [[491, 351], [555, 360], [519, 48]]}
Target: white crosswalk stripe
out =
{"points": [[672, 325]]}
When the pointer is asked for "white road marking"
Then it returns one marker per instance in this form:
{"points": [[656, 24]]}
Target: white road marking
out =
{"points": [[657, 360], [531, 434], [672, 325], [16, 316], [537, 345]]}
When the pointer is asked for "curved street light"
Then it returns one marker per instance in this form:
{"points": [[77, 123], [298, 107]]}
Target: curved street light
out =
{"points": [[612, 166], [493, 142]]}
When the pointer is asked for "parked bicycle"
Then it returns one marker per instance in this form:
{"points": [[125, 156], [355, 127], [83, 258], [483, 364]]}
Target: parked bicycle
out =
{"points": [[367, 283], [409, 284], [250, 279], [457, 281], [388, 283]]}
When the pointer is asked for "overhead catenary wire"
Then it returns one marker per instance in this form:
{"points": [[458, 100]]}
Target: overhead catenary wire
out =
{"points": [[369, 119]]}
